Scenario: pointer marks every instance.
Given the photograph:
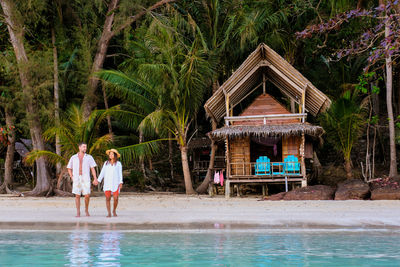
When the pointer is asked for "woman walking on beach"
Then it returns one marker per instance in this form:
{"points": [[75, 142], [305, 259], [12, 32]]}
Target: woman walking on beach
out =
{"points": [[112, 174]]}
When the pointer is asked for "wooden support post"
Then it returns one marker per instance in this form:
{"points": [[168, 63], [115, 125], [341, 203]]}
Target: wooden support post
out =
{"points": [[303, 102], [227, 107], [228, 169], [264, 89], [303, 166], [227, 189], [292, 106], [237, 187]]}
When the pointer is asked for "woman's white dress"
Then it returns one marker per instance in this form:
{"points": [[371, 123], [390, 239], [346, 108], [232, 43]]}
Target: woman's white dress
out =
{"points": [[112, 175]]}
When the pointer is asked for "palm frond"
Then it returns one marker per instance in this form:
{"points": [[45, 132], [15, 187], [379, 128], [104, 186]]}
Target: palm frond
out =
{"points": [[51, 157], [101, 143], [129, 88], [138, 151]]}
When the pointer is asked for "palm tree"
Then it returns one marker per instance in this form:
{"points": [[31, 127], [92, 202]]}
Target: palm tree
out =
{"points": [[72, 130], [75, 129], [169, 82], [343, 124], [213, 20]]}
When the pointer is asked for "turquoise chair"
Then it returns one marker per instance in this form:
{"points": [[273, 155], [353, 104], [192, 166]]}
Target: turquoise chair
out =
{"points": [[292, 165], [262, 166]]}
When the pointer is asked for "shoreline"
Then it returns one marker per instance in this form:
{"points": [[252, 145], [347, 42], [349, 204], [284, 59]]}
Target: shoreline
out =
{"points": [[153, 212]]}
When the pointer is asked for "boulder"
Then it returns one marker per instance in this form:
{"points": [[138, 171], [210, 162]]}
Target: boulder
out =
{"points": [[385, 194], [315, 192], [352, 189], [385, 189]]}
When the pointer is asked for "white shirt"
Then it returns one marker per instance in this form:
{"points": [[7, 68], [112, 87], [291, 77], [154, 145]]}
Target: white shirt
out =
{"points": [[87, 163], [112, 175]]}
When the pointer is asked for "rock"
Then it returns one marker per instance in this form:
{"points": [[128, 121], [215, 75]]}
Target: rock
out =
{"points": [[385, 189], [278, 196], [385, 194], [352, 189], [315, 192]]}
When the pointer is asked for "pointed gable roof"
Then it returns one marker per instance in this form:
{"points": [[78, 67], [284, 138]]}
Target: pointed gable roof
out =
{"points": [[266, 61]]}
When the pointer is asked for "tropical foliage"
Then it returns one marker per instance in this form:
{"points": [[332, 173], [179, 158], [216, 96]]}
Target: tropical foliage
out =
{"points": [[343, 123], [134, 74]]}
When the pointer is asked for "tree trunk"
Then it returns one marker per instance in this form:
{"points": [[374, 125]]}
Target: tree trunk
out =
{"points": [[90, 98], [389, 105], [8, 165], [348, 169], [56, 97], [170, 155], [106, 106], [141, 160], [15, 29], [186, 171], [316, 167], [202, 188]]}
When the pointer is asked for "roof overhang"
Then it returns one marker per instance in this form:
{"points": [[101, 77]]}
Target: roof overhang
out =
{"points": [[267, 130]]}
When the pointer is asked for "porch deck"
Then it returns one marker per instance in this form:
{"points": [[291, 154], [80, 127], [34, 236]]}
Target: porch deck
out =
{"points": [[267, 173]]}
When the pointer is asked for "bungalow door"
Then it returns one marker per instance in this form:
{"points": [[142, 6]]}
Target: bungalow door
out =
{"points": [[240, 156]]}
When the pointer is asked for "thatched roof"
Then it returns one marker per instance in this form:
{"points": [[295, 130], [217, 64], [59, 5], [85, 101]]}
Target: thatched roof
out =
{"points": [[277, 70], [268, 130], [201, 142]]}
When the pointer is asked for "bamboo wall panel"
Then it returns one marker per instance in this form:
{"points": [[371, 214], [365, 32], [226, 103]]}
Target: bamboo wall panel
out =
{"points": [[291, 146], [239, 149]]}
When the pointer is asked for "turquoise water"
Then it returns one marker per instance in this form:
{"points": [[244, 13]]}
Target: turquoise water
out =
{"points": [[200, 248]]}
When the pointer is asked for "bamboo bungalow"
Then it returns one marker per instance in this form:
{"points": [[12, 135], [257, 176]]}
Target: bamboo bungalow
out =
{"points": [[266, 143]]}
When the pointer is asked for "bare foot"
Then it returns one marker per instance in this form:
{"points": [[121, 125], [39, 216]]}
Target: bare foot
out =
{"points": [[115, 214], [108, 216], [87, 213], [78, 215]]}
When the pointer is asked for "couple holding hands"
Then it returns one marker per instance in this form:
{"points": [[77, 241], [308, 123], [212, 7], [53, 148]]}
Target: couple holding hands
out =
{"points": [[79, 167]]}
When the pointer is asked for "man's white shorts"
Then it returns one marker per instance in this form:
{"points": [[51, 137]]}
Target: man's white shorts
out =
{"points": [[80, 186]]}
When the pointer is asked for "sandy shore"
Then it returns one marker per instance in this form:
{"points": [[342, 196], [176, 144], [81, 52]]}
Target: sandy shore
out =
{"points": [[154, 210]]}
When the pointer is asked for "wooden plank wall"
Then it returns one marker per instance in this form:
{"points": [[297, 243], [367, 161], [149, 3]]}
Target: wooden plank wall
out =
{"points": [[265, 105], [291, 146], [239, 149]]}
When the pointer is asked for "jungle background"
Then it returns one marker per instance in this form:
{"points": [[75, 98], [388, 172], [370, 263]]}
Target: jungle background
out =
{"points": [[134, 75]]}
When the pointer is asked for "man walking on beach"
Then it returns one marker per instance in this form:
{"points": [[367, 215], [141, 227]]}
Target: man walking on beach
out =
{"points": [[79, 167]]}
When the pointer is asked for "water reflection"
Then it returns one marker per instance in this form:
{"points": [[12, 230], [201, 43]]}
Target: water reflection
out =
{"points": [[84, 244], [110, 251], [78, 254]]}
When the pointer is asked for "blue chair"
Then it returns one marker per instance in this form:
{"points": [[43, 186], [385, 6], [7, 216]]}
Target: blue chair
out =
{"points": [[292, 165], [262, 166]]}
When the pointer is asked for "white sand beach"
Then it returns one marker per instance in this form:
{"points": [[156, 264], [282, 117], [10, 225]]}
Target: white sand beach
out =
{"points": [[159, 209]]}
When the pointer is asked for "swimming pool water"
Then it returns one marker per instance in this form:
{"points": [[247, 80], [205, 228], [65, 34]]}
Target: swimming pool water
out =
{"points": [[199, 248]]}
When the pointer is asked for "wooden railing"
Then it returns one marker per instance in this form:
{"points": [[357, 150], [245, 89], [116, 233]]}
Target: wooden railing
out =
{"points": [[300, 116], [202, 165], [264, 169]]}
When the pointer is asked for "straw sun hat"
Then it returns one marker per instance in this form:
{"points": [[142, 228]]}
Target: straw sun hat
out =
{"points": [[113, 150]]}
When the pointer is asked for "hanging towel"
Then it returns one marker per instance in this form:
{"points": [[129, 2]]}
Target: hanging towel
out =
{"points": [[216, 178], [221, 178]]}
